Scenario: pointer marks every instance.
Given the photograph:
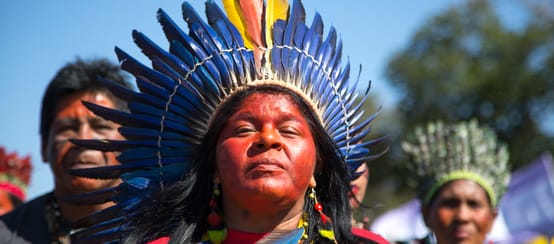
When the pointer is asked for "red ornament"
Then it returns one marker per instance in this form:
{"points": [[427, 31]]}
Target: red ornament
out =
{"points": [[323, 218], [212, 203], [318, 207], [214, 219]]}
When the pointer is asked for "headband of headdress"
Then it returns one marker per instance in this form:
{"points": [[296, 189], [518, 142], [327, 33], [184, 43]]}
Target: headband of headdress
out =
{"points": [[441, 153], [257, 43], [15, 173]]}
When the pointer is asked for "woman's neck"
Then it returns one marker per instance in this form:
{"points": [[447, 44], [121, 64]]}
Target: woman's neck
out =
{"points": [[284, 220]]}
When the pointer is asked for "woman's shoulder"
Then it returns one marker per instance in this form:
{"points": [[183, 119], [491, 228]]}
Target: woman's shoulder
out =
{"points": [[366, 236]]}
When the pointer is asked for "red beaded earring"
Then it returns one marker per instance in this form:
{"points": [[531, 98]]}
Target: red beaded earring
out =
{"points": [[216, 228], [325, 227]]}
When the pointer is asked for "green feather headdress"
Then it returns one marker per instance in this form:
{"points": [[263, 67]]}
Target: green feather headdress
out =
{"points": [[440, 153]]}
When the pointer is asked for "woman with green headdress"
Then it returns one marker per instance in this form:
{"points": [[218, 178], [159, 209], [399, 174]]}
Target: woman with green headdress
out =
{"points": [[461, 172]]}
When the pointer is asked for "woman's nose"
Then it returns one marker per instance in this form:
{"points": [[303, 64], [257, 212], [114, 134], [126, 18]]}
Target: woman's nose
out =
{"points": [[463, 213], [269, 139], [85, 132]]}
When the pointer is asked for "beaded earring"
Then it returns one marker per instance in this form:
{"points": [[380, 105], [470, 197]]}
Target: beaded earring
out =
{"points": [[304, 223], [325, 226], [216, 229]]}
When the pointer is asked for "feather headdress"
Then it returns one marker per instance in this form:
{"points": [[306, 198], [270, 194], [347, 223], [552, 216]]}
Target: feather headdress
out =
{"points": [[256, 43], [15, 173], [440, 153]]}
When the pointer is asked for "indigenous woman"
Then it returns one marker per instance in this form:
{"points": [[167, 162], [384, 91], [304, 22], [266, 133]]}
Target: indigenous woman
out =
{"points": [[245, 131], [461, 172]]}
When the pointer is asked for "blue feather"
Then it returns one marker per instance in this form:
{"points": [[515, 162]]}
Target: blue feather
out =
{"points": [[334, 64], [297, 16], [202, 32], [200, 35], [153, 51], [146, 86], [196, 51], [293, 58], [215, 13], [112, 172], [169, 173], [107, 231], [187, 53], [131, 133], [317, 24], [143, 72], [120, 117], [97, 197], [276, 52], [170, 29], [130, 95], [120, 91], [374, 141], [102, 145], [232, 59], [327, 50], [164, 68], [140, 154], [311, 44]]}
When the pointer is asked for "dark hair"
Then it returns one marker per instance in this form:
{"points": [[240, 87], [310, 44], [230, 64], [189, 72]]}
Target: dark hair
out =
{"points": [[80, 76], [184, 207]]}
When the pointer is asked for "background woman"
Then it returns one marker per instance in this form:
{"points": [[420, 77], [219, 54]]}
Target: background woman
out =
{"points": [[461, 172]]}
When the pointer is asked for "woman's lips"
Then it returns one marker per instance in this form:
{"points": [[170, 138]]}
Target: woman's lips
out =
{"points": [[264, 168], [461, 234]]}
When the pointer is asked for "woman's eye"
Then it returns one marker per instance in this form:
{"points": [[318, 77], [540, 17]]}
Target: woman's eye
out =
{"points": [[450, 203], [289, 130], [103, 127], [474, 204], [65, 128], [244, 130]]}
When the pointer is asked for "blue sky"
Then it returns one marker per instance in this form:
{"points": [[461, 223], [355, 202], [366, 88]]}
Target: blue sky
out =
{"points": [[38, 37]]}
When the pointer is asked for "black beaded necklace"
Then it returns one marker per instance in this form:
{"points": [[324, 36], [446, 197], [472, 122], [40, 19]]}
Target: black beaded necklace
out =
{"points": [[57, 227]]}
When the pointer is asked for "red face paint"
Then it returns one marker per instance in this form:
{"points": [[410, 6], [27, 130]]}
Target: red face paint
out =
{"points": [[265, 155]]}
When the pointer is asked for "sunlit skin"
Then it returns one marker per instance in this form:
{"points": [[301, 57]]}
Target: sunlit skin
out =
{"points": [[460, 213], [73, 120], [265, 162], [359, 186], [357, 195], [6, 204]]}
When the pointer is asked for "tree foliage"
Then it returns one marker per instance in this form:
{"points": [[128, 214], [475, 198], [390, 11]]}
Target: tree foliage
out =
{"points": [[466, 63]]}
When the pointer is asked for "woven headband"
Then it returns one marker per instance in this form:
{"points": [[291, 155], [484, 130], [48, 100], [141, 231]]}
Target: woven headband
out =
{"points": [[461, 175]]}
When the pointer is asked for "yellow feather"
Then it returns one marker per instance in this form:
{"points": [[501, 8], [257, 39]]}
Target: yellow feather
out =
{"points": [[329, 234], [234, 14], [276, 9]]}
